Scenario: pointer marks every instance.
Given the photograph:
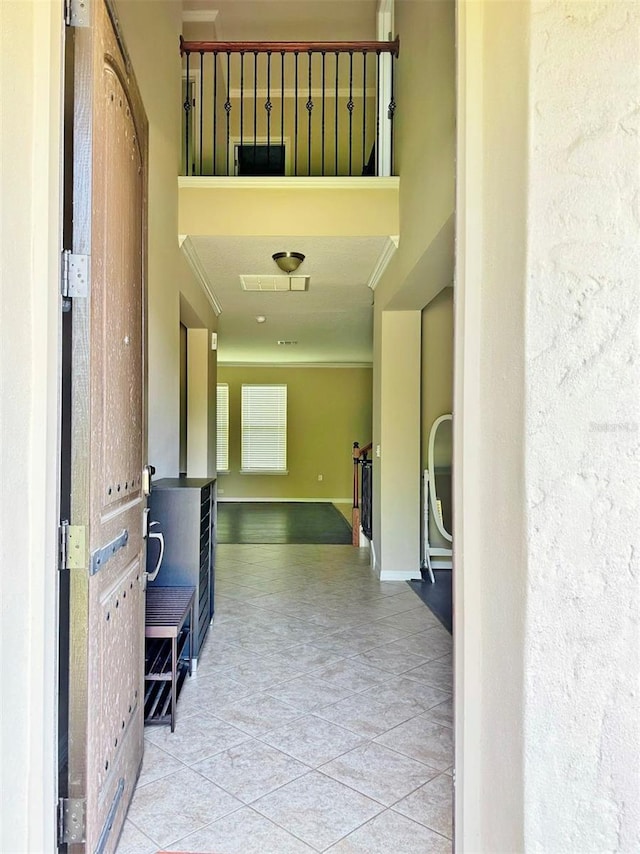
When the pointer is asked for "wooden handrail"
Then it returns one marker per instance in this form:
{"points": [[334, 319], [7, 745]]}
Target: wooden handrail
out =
{"points": [[361, 452], [392, 47], [358, 454]]}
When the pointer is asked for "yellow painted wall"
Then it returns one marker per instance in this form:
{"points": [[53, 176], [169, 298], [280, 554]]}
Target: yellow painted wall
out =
{"points": [[424, 154], [327, 410], [425, 162], [152, 41], [295, 206]]}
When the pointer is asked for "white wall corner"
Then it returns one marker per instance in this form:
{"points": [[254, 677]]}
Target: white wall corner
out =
{"points": [[400, 575], [192, 257], [382, 263]]}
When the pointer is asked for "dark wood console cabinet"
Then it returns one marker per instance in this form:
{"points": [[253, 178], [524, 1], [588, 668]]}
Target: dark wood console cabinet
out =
{"points": [[186, 510]]}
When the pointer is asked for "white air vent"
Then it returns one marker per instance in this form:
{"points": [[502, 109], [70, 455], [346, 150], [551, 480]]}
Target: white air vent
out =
{"points": [[265, 283], [274, 283]]}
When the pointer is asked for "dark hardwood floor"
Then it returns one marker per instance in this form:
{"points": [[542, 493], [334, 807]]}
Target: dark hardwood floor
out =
{"points": [[437, 597], [281, 522]]}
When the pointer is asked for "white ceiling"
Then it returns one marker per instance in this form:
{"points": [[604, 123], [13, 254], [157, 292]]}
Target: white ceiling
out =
{"points": [[332, 321]]}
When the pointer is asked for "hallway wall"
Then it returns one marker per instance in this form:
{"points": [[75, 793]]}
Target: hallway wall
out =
{"points": [[152, 42], [328, 409], [423, 263], [547, 407]]}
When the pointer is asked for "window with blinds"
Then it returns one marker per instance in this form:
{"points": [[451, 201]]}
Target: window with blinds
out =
{"points": [[222, 427], [264, 428]]}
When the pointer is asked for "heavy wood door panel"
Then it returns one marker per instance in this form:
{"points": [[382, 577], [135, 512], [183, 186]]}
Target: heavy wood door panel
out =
{"points": [[106, 671]]}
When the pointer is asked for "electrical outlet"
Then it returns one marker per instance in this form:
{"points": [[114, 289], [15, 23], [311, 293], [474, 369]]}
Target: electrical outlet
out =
{"points": [[320, 477], [221, 492]]}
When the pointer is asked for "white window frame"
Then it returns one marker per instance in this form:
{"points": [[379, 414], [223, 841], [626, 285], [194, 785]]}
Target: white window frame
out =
{"points": [[278, 462], [222, 426]]}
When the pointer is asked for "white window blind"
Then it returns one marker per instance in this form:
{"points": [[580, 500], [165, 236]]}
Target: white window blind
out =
{"points": [[264, 428], [222, 427]]}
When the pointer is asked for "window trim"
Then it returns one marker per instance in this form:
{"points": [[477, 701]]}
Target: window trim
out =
{"points": [[218, 412]]}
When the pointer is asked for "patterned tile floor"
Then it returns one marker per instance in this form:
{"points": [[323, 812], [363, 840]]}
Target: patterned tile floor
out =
{"points": [[320, 718]]}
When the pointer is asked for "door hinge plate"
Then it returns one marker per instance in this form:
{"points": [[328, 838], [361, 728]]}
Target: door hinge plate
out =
{"points": [[72, 546], [77, 13], [71, 820], [75, 274]]}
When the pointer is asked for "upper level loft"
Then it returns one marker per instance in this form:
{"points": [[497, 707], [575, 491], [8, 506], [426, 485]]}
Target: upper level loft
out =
{"points": [[288, 109]]}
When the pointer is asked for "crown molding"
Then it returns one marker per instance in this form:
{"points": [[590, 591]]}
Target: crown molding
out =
{"points": [[200, 273], [383, 261], [286, 183]]}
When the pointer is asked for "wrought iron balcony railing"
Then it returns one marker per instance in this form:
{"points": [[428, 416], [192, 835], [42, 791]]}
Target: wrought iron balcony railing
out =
{"points": [[288, 108]]}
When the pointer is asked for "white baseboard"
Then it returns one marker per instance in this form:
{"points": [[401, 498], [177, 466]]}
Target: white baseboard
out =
{"points": [[399, 574], [222, 498], [441, 563]]}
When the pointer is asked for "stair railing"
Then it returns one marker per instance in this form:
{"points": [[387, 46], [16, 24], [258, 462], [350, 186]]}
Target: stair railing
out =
{"points": [[362, 493], [288, 108]]}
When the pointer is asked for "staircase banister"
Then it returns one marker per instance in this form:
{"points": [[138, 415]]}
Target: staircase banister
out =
{"points": [[392, 47], [361, 452]]}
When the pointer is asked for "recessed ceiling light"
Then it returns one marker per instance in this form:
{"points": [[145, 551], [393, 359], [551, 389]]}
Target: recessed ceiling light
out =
{"points": [[260, 318]]}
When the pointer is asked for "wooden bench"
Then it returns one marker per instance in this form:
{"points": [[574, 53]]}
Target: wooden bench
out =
{"points": [[167, 641]]}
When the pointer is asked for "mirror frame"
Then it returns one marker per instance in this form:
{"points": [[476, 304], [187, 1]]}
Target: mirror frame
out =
{"points": [[432, 478]]}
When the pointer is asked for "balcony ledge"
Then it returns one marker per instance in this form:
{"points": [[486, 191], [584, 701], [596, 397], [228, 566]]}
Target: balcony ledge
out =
{"points": [[288, 183], [363, 206]]}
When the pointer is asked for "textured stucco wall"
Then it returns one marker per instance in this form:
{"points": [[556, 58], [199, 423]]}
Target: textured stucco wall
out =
{"points": [[582, 721]]}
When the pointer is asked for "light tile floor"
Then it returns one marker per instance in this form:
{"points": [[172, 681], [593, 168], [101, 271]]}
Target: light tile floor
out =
{"points": [[320, 718]]}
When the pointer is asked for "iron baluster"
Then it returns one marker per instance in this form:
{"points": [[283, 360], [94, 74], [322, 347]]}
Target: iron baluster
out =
{"points": [[255, 106], [309, 106], [295, 127], [187, 116], [391, 113], [364, 111], [350, 106], [336, 109], [282, 99], [323, 106], [227, 103], [268, 107], [241, 103], [378, 84], [215, 107], [201, 102]]}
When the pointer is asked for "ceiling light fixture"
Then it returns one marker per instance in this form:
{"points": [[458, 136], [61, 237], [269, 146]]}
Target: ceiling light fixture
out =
{"points": [[260, 318], [288, 261]]}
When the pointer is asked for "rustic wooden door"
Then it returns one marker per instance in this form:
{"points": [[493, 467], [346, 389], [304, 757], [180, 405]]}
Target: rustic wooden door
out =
{"points": [[106, 545]]}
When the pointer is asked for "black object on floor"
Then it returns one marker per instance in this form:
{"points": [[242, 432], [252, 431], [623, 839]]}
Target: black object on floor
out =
{"points": [[437, 597], [281, 522]]}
